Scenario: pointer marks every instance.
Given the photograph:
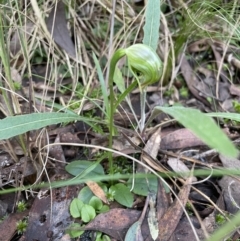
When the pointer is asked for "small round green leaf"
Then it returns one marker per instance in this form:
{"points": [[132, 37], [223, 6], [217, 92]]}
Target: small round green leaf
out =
{"points": [[74, 230], [122, 195], [104, 209], [75, 207], [142, 187], [85, 195], [96, 203], [87, 213]]}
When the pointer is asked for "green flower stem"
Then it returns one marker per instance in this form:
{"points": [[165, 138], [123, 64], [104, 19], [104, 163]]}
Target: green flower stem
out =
{"points": [[116, 57]]}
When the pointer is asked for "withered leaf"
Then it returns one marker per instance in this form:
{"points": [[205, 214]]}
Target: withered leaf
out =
{"points": [[169, 221], [115, 223], [57, 25]]}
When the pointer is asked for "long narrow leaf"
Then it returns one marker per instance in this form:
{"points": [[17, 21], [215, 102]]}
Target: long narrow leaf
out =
{"points": [[203, 127], [152, 23], [102, 83], [16, 125], [230, 116]]}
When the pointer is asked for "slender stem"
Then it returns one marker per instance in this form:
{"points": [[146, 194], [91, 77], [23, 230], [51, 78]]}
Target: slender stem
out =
{"points": [[143, 95], [116, 57]]}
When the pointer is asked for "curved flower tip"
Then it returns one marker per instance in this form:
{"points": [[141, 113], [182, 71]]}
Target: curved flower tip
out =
{"points": [[144, 61]]}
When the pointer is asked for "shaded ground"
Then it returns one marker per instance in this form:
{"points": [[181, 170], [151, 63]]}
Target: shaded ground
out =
{"points": [[201, 70]]}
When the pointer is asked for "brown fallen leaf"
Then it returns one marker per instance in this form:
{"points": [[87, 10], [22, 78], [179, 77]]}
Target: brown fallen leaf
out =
{"points": [[15, 42], [191, 79], [114, 223], [198, 46], [179, 166], [57, 25], [162, 200], [151, 149], [180, 139], [170, 220], [153, 144], [234, 61], [234, 90], [97, 190]]}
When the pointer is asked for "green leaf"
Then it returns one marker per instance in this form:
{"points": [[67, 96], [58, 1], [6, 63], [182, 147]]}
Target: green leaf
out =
{"points": [[122, 194], [104, 209], [75, 208], [16, 125], [152, 23], [74, 230], [87, 213], [118, 80], [85, 169], [96, 203], [202, 126], [230, 116], [141, 187], [102, 83], [85, 194]]}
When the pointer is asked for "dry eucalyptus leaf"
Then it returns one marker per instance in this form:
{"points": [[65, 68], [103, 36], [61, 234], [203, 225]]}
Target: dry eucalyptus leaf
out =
{"points": [[152, 216], [170, 220], [15, 43], [151, 148], [15, 75], [57, 25], [178, 166], [180, 139], [115, 223], [97, 190]]}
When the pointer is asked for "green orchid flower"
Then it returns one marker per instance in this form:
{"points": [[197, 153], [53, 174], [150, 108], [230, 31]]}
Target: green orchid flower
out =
{"points": [[144, 64]]}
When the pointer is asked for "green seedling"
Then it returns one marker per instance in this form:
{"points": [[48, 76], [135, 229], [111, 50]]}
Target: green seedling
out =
{"points": [[236, 106], [21, 206], [189, 209], [110, 195], [21, 226], [220, 219], [17, 86], [75, 230], [102, 237], [184, 92], [169, 92], [85, 211]]}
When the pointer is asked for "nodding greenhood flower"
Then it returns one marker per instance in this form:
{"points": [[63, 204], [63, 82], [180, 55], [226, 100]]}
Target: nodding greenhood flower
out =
{"points": [[144, 64]]}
